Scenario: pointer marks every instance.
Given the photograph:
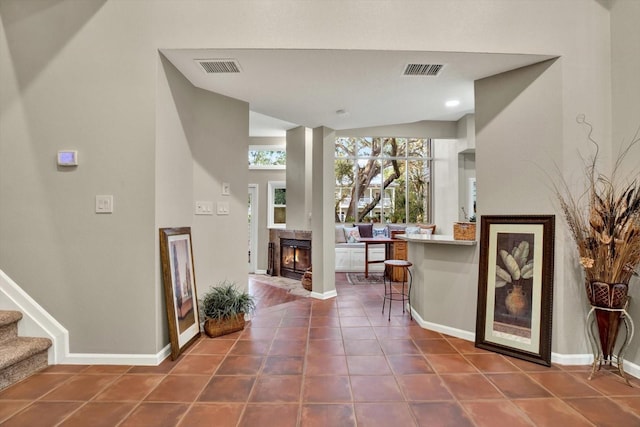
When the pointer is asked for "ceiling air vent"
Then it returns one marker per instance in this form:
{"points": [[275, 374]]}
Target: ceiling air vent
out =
{"points": [[216, 66], [423, 69]]}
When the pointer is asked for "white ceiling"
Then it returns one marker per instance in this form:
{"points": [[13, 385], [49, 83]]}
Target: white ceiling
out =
{"points": [[286, 88]]}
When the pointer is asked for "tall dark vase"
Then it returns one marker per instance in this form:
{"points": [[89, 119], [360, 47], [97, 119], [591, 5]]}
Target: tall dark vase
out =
{"points": [[612, 296]]}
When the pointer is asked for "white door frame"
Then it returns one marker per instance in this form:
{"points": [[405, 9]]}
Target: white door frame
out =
{"points": [[253, 228]]}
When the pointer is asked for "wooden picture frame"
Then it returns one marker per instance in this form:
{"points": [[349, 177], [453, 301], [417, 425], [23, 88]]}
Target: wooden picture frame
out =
{"points": [[515, 286], [176, 257]]}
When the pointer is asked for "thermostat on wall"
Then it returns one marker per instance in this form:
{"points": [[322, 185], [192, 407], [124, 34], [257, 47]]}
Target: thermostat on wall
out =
{"points": [[68, 158]]}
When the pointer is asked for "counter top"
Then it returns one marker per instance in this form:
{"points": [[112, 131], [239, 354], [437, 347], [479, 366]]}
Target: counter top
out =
{"points": [[435, 238]]}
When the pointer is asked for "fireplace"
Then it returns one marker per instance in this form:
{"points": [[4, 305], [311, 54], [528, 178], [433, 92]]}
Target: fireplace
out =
{"points": [[295, 257]]}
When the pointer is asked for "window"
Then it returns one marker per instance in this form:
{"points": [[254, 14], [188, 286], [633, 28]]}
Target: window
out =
{"points": [[277, 202], [267, 157], [383, 180]]}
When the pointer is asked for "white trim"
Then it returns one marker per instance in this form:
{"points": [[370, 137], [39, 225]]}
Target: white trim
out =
{"points": [[253, 232], [267, 167], [572, 359], [561, 359], [631, 369], [260, 272], [272, 186], [118, 359], [326, 295], [454, 332], [36, 321], [269, 147]]}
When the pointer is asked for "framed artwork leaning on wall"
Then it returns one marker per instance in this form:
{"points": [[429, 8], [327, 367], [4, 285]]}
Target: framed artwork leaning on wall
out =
{"points": [[176, 257], [515, 286]]}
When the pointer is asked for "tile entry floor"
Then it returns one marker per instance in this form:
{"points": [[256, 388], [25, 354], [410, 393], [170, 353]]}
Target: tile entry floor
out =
{"points": [[339, 362]]}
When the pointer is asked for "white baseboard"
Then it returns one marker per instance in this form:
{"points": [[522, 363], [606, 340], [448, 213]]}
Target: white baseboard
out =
{"points": [[561, 359], [630, 368], [117, 359], [571, 359], [260, 272], [454, 332], [326, 295]]}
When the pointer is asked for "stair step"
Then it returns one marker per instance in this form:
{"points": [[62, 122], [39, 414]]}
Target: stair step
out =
{"points": [[20, 348], [9, 316], [21, 357], [9, 324]]}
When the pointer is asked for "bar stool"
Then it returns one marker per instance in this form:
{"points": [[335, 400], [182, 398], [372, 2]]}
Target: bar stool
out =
{"points": [[391, 294]]}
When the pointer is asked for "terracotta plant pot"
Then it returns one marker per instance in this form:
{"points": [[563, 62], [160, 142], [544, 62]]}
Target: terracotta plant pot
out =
{"points": [[607, 295]]}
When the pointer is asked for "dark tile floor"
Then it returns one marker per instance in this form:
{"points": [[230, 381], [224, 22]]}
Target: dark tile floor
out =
{"points": [[324, 363]]}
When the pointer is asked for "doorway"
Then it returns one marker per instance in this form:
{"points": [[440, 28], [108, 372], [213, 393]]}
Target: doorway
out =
{"points": [[252, 222]]}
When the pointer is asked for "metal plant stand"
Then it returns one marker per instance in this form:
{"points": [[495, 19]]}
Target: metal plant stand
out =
{"points": [[598, 356]]}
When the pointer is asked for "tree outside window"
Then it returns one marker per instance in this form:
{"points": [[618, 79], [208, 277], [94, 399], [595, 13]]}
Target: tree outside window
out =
{"points": [[267, 157], [383, 179]]}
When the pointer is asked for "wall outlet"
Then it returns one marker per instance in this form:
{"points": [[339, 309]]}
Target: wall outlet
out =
{"points": [[204, 208]]}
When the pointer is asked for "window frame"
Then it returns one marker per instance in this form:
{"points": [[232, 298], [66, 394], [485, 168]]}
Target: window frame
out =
{"points": [[272, 186], [383, 157]]}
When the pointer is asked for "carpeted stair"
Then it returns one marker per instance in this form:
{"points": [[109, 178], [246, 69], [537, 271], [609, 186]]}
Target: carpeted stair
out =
{"points": [[19, 356]]}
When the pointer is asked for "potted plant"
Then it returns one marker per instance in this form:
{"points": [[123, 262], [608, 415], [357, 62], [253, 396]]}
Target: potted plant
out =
{"points": [[604, 222], [224, 307]]}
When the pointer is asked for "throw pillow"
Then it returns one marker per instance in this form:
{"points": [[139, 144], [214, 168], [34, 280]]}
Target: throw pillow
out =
{"points": [[423, 227], [412, 230], [381, 232], [351, 234], [365, 230], [340, 234]]}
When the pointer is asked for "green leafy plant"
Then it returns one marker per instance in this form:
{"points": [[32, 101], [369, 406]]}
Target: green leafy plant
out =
{"points": [[471, 218], [225, 301]]}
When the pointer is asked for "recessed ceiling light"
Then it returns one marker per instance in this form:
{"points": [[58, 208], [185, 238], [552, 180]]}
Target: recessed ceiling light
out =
{"points": [[452, 103]]}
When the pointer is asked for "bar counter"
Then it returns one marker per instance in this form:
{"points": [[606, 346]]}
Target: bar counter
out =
{"points": [[445, 283]]}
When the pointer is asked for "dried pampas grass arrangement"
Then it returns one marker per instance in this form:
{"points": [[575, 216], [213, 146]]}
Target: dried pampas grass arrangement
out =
{"points": [[605, 219]]}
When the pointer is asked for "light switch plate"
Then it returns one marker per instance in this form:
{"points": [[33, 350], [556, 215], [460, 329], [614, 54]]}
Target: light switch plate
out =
{"points": [[104, 204], [204, 207], [226, 189], [222, 208]]}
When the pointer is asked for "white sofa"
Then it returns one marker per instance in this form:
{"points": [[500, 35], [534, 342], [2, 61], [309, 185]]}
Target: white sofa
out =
{"points": [[350, 254]]}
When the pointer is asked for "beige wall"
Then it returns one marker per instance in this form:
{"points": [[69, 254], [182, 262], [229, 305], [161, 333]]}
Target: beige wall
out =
{"points": [[86, 75], [625, 39], [511, 178]]}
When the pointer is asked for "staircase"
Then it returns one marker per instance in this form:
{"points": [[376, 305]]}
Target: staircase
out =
{"points": [[19, 356]]}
